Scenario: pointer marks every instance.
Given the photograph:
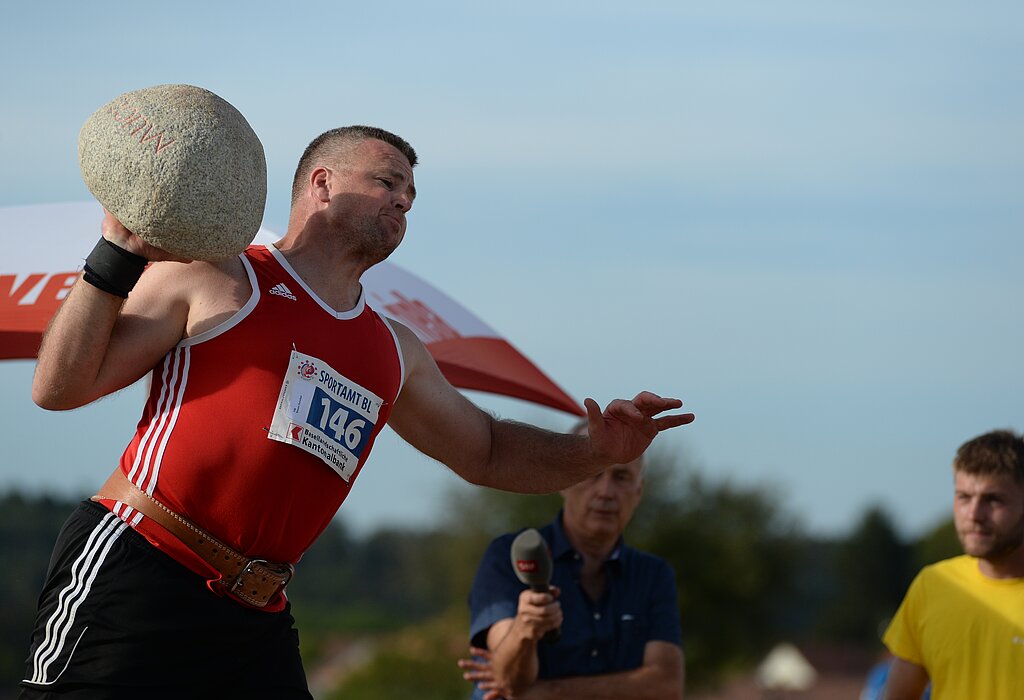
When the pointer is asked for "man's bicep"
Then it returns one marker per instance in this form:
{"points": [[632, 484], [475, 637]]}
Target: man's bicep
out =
{"points": [[151, 322], [494, 595], [906, 680], [432, 416], [96, 344]]}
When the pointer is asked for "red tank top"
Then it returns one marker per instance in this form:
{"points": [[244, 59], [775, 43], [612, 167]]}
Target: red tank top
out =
{"points": [[203, 445]]}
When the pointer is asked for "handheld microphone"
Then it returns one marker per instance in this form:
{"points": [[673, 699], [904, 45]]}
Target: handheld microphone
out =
{"points": [[531, 561]]}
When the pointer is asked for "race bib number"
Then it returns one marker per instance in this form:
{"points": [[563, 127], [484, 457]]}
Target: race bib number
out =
{"points": [[324, 413]]}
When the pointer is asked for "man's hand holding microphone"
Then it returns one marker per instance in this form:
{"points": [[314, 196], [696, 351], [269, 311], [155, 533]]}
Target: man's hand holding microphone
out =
{"points": [[538, 621], [539, 611]]}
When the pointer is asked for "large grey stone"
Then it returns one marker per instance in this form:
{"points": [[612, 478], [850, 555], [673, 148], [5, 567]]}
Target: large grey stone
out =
{"points": [[179, 167]]}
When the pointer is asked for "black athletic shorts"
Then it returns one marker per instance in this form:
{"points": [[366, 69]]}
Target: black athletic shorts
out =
{"points": [[118, 618]]}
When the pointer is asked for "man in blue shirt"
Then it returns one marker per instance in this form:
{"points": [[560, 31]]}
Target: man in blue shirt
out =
{"points": [[616, 607]]}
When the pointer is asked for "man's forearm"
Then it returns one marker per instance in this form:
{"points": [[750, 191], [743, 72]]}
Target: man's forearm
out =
{"points": [[644, 683], [514, 662], [525, 459], [617, 435]]}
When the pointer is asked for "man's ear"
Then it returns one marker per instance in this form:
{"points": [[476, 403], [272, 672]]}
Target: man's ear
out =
{"points": [[319, 184]]}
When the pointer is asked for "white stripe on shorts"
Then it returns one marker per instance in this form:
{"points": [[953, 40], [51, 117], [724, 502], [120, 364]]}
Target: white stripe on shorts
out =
{"points": [[83, 573]]}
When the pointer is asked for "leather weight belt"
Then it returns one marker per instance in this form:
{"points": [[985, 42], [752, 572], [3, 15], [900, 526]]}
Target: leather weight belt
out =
{"points": [[253, 580]]}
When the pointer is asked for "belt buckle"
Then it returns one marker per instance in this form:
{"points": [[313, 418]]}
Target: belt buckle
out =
{"points": [[283, 572]]}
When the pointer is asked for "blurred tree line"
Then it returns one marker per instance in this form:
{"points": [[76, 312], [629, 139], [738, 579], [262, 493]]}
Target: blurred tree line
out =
{"points": [[387, 611]]}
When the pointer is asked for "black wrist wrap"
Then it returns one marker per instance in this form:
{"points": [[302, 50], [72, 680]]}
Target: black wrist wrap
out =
{"points": [[113, 269]]}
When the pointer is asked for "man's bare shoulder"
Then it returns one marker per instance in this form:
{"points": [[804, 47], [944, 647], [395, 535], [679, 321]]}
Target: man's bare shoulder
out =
{"points": [[414, 352], [211, 290]]}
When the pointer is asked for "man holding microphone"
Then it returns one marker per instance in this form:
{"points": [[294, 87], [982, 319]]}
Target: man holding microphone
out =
{"points": [[609, 625]]}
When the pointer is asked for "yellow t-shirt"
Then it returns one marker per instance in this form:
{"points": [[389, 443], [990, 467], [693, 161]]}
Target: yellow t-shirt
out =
{"points": [[965, 629]]}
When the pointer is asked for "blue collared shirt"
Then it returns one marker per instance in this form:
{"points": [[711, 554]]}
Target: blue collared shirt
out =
{"points": [[639, 605]]}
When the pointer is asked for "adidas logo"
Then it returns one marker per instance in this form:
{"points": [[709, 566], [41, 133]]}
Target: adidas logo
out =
{"points": [[282, 291]]}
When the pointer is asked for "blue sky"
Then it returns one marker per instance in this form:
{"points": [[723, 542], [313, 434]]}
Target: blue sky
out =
{"points": [[803, 218]]}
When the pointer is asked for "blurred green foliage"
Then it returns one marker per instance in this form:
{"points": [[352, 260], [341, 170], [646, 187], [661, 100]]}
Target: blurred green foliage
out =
{"points": [[871, 568], [418, 663]]}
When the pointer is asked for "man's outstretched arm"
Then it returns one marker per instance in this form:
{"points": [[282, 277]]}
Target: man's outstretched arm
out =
{"points": [[513, 641], [440, 422]]}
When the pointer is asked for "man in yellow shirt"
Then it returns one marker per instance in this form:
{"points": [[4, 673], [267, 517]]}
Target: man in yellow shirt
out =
{"points": [[961, 624]]}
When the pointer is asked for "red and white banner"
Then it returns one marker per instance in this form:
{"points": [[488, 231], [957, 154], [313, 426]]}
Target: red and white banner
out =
{"points": [[45, 246]]}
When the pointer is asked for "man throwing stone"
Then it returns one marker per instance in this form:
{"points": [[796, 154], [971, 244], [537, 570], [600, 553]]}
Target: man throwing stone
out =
{"points": [[271, 380]]}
